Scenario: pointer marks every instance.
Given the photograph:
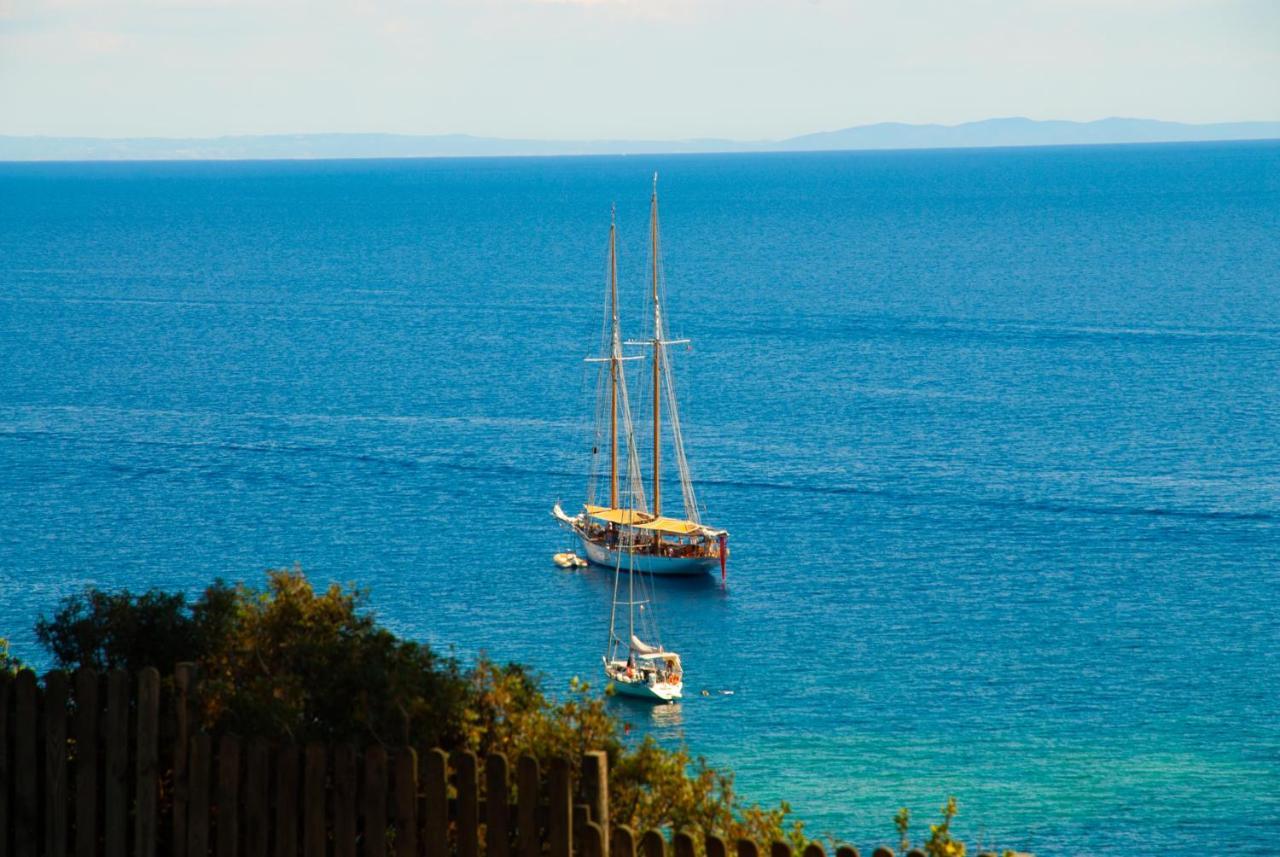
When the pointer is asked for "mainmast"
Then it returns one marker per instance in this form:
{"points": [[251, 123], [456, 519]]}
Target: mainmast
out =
{"points": [[657, 357], [615, 352]]}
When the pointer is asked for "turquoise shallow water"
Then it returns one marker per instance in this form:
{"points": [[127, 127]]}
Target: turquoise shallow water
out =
{"points": [[995, 433]]}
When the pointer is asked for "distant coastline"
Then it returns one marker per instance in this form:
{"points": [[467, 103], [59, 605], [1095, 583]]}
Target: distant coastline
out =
{"points": [[1012, 132]]}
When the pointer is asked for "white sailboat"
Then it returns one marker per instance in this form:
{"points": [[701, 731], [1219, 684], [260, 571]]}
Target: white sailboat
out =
{"points": [[640, 669], [660, 544]]}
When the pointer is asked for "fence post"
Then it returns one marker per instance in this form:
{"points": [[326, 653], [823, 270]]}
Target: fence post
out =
{"points": [[406, 802], [716, 846], [814, 849], [592, 840], [25, 809], [86, 735], [560, 808], [313, 824], [228, 796], [747, 848], [595, 787], [184, 677], [115, 804], [468, 788], [6, 764], [344, 801], [682, 844], [255, 798], [528, 792], [497, 828], [435, 793], [146, 829], [779, 849], [375, 802], [286, 801], [622, 842], [55, 764], [847, 851], [652, 844], [198, 767], [883, 851]]}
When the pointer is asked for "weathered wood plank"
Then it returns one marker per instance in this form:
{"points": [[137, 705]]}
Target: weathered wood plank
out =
{"points": [[435, 793], [146, 813], [228, 796], [406, 802], [26, 818], [528, 793], [199, 765], [847, 851], [716, 846], [374, 806], [595, 788], [814, 849], [314, 833], [652, 844], [6, 764], [747, 848], [497, 835], [86, 735], [55, 764], [344, 801], [592, 840], [115, 805], [286, 801], [257, 771], [622, 841], [184, 679], [560, 809], [779, 849], [682, 844], [467, 784], [883, 851]]}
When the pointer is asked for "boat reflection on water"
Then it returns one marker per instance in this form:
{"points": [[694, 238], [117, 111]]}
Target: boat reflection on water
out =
{"points": [[639, 719]]}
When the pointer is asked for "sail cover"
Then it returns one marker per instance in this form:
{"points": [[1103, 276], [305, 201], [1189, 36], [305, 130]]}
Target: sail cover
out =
{"points": [[638, 645]]}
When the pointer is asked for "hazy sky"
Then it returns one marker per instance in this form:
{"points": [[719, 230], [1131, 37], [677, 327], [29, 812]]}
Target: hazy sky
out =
{"points": [[623, 68]]}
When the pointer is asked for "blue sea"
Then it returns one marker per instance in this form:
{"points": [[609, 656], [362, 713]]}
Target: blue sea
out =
{"points": [[996, 434]]}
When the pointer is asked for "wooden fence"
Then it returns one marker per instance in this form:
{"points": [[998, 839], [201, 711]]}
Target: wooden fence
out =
{"points": [[101, 764]]}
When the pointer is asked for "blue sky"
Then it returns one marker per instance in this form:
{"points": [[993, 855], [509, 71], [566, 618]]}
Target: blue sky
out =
{"points": [[744, 69]]}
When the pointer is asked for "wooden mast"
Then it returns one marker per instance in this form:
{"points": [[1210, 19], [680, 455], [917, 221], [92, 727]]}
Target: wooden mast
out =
{"points": [[657, 359], [613, 361]]}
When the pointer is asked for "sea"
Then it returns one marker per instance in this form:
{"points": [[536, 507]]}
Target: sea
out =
{"points": [[996, 434]]}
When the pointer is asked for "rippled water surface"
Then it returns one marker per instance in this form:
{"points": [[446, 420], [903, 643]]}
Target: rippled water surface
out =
{"points": [[996, 433]]}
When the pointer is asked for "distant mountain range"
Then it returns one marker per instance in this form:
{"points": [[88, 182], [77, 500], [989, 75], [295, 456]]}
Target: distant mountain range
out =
{"points": [[1015, 131]]}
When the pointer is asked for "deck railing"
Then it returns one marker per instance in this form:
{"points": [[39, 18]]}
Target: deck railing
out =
{"points": [[101, 764]]}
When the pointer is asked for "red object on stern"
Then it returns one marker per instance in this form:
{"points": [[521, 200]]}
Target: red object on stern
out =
{"points": [[724, 554]]}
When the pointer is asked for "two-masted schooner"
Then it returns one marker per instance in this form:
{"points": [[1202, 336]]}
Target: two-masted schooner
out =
{"points": [[661, 544]]}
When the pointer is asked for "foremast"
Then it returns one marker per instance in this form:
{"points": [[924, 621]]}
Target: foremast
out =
{"points": [[617, 383]]}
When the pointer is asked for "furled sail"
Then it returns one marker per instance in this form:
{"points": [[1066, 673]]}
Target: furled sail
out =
{"points": [[638, 645]]}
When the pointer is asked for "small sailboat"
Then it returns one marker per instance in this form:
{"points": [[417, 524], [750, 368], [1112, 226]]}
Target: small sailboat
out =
{"points": [[636, 667], [661, 545]]}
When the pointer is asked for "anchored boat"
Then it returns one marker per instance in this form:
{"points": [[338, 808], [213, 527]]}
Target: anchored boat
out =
{"points": [[637, 668], [661, 544]]}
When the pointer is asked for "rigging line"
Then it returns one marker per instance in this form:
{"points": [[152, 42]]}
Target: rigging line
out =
{"points": [[682, 463]]}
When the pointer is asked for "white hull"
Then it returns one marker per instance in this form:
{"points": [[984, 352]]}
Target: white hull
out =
{"points": [[658, 692], [600, 555]]}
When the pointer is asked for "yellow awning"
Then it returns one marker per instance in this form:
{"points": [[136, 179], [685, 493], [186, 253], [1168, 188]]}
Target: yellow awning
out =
{"points": [[618, 516], [673, 526]]}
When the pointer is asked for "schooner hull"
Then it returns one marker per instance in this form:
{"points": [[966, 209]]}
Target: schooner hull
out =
{"points": [[598, 554]]}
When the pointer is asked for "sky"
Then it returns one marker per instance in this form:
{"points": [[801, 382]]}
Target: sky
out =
{"points": [[624, 69]]}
